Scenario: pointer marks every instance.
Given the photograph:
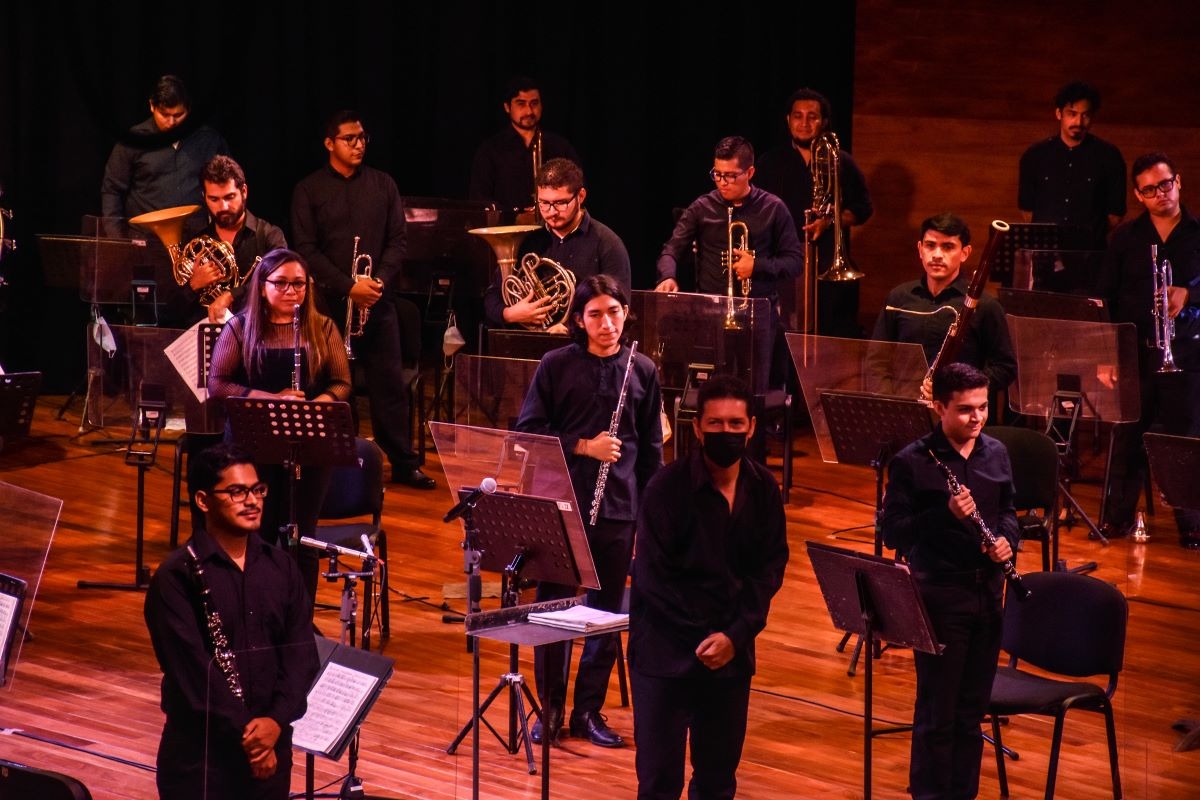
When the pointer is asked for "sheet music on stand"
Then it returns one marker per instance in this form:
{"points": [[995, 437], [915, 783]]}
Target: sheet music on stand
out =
{"points": [[346, 687], [30, 522], [12, 597]]}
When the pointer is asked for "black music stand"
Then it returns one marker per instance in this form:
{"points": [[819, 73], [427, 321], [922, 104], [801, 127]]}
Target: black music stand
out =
{"points": [[869, 429], [516, 535], [12, 598], [18, 396], [1030, 236], [293, 433], [878, 599]]}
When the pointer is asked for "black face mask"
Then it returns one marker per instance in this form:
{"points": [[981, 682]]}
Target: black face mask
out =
{"points": [[724, 448]]}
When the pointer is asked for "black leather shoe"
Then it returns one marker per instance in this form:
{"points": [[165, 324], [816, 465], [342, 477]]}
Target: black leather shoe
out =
{"points": [[414, 478], [593, 726], [554, 721]]}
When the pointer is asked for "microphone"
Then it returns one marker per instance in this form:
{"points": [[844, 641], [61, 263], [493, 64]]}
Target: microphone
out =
{"points": [[486, 486], [331, 548], [367, 546]]}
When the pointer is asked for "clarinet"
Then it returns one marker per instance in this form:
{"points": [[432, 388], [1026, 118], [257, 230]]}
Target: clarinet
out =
{"points": [[221, 653], [613, 425], [296, 348], [985, 533]]}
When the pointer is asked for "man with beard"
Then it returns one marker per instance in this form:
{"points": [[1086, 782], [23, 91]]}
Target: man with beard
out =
{"points": [[711, 553], [1170, 402], [231, 625], [225, 193], [1074, 178], [157, 164], [786, 171], [919, 312], [571, 237], [773, 256], [502, 172]]}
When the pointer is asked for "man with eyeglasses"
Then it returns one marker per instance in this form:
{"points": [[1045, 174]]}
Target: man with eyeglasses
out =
{"points": [[786, 171], [340, 206], [570, 237], [1074, 178], [230, 689], [502, 171], [1170, 401], [773, 255]]}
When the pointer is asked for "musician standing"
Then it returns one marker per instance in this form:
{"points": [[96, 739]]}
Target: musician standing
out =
{"points": [[502, 171], [1074, 178], [343, 200], [773, 254], [1170, 402], [786, 171], [960, 581], [215, 744], [711, 553], [573, 396], [255, 357], [229, 221], [916, 312], [570, 237], [157, 164]]}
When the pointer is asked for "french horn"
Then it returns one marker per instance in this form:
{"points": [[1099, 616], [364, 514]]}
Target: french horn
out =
{"points": [[545, 278]]}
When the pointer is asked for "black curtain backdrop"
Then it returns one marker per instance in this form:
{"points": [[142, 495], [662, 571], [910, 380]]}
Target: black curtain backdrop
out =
{"points": [[642, 101]]}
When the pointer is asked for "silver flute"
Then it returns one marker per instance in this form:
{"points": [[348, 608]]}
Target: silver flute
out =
{"points": [[613, 426]]}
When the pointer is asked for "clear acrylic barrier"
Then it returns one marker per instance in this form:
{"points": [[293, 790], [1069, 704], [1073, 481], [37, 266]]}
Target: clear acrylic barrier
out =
{"points": [[826, 363], [115, 383], [521, 463], [679, 328], [489, 391], [1095, 358], [30, 521]]}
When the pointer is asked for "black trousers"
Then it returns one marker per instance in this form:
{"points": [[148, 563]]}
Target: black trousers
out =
{"points": [[191, 769], [953, 689], [381, 354], [611, 542]]}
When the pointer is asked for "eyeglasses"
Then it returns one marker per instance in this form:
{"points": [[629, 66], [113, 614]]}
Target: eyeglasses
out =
{"points": [[1162, 187], [283, 286], [726, 177], [352, 139], [556, 205], [238, 493]]}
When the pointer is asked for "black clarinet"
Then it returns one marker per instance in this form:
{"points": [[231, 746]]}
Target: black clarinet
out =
{"points": [[221, 652], [985, 533]]}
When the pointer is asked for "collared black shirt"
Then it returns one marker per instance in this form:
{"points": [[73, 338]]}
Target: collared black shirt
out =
{"points": [[591, 249], [573, 396], [502, 170], [917, 520], [1079, 186], [703, 568], [778, 254], [986, 346]]}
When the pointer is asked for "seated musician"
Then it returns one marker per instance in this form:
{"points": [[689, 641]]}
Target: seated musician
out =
{"points": [[919, 311], [571, 238]]}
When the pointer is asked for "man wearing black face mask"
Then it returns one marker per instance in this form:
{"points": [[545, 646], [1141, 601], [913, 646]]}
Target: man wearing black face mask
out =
{"points": [[711, 551]]}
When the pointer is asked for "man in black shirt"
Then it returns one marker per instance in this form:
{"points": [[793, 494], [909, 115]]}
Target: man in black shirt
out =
{"points": [[571, 238], [1074, 178], [1170, 401], [502, 172], [343, 208], [787, 172], [231, 624]]}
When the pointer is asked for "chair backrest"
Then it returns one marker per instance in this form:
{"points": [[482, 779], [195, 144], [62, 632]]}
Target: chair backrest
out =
{"points": [[1034, 458], [356, 490], [1071, 624]]}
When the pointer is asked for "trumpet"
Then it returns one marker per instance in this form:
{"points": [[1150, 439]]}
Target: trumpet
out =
{"points": [[738, 239], [1164, 326], [356, 318]]}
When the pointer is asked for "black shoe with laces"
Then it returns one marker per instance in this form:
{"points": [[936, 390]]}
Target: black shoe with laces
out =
{"points": [[554, 721], [593, 726]]}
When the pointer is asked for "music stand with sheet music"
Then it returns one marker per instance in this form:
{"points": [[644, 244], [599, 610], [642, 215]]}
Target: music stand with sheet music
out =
{"points": [[869, 429], [12, 598], [30, 521], [18, 396], [878, 599], [293, 433]]}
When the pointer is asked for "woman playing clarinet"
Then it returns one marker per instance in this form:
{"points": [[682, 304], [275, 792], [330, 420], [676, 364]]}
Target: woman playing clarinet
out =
{"points": [[281, 347], [573, 396]]}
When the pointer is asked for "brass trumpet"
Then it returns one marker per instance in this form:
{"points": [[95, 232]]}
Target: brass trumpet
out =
{"points": [[1164, 326], [356, 318], [738, 239]]}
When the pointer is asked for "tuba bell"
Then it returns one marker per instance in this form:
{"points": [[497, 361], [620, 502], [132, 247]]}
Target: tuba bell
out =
{"points": [[545, 278], [167, 225]]}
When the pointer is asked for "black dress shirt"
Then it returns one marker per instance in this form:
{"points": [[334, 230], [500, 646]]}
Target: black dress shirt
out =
{"points": [[502, 170], [1076, 186]]}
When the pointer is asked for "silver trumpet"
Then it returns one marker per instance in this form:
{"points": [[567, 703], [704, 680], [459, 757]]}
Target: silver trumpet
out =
{"points": [[1164, 326], [356, 318]]}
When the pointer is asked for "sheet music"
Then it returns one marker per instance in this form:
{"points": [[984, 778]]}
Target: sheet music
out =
{"points": [[8, 614], [183, 356], [333, 705]]}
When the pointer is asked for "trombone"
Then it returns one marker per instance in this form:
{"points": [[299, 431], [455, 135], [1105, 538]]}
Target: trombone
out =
{"points": [[827, 204]]}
